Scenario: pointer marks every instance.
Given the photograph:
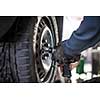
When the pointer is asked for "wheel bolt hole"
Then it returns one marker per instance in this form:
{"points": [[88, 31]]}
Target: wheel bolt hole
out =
{"points": [[45, 56], [42, 51], [46, 44], [43, 41]]}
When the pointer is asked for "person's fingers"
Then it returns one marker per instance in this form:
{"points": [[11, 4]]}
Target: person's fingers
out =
{"points": [[74, 65]]}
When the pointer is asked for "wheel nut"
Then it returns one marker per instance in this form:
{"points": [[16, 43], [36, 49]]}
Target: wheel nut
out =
{"points": [[45, 56]]}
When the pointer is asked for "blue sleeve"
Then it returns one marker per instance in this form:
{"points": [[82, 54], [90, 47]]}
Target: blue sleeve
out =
{"points": [[87, 35]]}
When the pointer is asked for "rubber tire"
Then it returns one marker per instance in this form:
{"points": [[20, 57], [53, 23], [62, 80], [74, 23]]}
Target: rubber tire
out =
{"points": [[17, 58]]}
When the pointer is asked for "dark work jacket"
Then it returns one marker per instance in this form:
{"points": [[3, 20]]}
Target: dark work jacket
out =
{"points": [[87, 35]]}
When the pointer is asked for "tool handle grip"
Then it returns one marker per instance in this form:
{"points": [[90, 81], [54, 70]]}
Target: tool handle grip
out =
{"points": [[66, 71]]}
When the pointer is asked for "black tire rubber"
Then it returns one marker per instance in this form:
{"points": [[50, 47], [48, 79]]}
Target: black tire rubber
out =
{"points": [[5, 70], [17, 57], [16, 61]]}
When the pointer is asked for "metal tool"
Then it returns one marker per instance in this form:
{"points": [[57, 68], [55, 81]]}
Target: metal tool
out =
{"points": [[67, 73]]}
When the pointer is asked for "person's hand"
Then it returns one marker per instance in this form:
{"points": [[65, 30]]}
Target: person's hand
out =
{"points": [[61, 58], [74, 65]]}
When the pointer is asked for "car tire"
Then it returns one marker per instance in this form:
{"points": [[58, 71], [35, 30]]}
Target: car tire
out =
{"points": [[20, 52]]}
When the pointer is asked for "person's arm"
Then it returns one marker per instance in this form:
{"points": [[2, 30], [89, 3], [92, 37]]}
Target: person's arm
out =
{"points": [[87, 35]]}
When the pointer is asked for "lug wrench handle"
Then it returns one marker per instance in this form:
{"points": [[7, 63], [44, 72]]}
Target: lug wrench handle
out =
{"points": [[67, 73]]}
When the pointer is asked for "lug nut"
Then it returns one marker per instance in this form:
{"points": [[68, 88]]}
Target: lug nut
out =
{"points": [[46, 44], [45, 56]]}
